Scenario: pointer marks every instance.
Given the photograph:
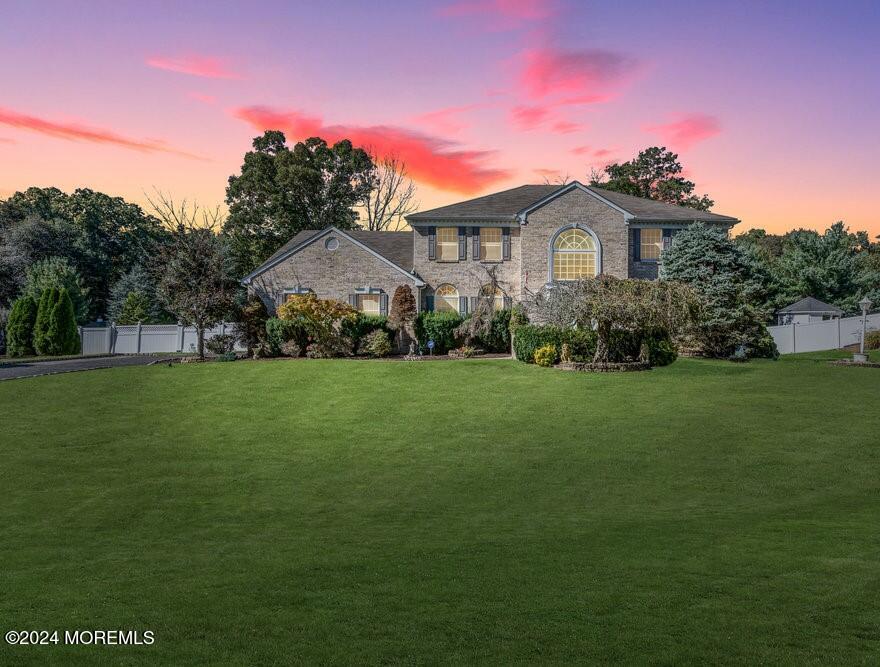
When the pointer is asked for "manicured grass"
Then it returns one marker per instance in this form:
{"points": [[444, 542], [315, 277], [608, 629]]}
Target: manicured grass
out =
{"points": [[449, 512]]}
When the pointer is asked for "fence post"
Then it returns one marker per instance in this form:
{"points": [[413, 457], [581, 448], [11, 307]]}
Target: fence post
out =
{"points": [[111, 338], [838, 334], [139, 337], [793, 338], [223, 328], [179, 337], [81, 341]]}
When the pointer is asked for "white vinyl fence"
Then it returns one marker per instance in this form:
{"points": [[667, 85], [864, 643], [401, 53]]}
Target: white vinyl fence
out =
{"points": [[146, 338], [817, 336]]}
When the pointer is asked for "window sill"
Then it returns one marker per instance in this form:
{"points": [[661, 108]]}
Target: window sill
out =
{"points": [[647, 261], [447, 261], [491, 261]]}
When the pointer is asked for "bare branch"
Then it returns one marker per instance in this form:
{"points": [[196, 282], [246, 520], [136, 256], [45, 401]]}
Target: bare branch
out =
{"points": [[392, 195]]}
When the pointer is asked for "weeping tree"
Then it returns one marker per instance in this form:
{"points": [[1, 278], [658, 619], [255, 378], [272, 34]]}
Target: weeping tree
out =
{"points": [[608, 304], [402, 317]]}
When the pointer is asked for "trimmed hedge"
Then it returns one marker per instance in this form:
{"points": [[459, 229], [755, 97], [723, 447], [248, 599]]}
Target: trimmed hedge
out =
{"points": [[439, 327], [498, 339], [361, 326], [280, 331], [582, 344], [530, 337]]}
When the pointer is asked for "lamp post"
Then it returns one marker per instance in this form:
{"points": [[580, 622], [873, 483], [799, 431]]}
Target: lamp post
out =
{"points": [[865, 305]]}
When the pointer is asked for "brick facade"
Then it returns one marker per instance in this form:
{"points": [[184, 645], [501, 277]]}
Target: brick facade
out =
{"points": [[330, 274]]}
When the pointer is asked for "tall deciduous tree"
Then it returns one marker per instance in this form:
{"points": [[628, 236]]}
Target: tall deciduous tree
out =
{"points": [[655, 173], [732, 286], [391, 194], [194, 278], [281, 191]]}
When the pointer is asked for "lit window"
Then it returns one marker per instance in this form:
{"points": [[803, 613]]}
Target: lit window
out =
{"points": [[447, 244], [446, 298], [369, 304], [652, 243], [496, 295], [490, 244], [574, 255]]}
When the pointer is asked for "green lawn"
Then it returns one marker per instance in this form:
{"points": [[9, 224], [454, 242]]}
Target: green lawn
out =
{"points": [[445, 512]]}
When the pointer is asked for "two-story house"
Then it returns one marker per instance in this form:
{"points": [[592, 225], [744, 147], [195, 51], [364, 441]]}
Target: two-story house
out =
{"points": [[527, 237]]}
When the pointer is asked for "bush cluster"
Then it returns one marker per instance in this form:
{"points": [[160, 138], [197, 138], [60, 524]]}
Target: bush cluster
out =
{"points": [[55, 331], [359, 327], [439, 327], [279, 332], [221, 344], [545, 355], [625, 345], [377, 343], [872, 340], [20, 327]]}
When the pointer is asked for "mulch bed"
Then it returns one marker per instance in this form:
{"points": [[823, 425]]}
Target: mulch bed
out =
{"points": [[856, 364], [590, 367]]}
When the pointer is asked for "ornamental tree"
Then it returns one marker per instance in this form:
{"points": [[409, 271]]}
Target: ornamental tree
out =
{"points": [[20, 327], [402, 317], [607, 304]]}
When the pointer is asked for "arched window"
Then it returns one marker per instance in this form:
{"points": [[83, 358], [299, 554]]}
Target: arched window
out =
{"points": [[487, 292], [575, 255], [446, 298]]}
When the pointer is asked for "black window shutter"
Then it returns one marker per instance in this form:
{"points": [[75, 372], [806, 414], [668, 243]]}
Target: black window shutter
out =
{"points": [[353, 300], [432, 243], [462, 243], [667, 238], [429, 303], [474, 303], [505, 243], [383, 304], [508, 302], [463, 305], [637, 245], [475, 248]]}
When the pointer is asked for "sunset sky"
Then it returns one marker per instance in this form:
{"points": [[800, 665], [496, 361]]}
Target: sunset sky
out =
{"points": [[774, 107]]}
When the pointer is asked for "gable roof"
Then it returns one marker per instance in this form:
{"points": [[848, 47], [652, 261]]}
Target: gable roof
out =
{"points": [[508, 205], [811, 305], [395, 248]]}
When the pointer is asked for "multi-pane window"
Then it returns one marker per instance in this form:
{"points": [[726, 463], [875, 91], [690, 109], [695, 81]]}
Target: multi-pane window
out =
{"points": [[490, 244], [369, 304], [651, 243], [447, 244], [446, 298], [574, 255]]}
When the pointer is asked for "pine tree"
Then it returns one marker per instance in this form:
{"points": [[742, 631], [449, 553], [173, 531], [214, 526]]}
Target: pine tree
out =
{"points": [[65, 332], [20, 327], [136, 308], [732, 287]]}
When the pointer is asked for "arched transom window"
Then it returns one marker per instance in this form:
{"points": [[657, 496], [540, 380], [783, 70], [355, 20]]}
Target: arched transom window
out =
{"points": [[488, 292], [575, 255], [446, 298]]}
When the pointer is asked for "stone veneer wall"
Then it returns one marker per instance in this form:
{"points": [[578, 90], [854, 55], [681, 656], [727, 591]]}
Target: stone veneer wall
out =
{"points": [[574, 207], [330, 274], [467, 275]]}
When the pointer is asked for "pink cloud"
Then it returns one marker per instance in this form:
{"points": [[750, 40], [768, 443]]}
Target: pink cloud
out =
{"points": [[529, 117], [202, 97], [429, 159], [581, 150], [6, 140], [583, 76], [447, 120], [686, 130], [502, 14], [194, 65], [77, 132], [602, 152], [566, 127]]}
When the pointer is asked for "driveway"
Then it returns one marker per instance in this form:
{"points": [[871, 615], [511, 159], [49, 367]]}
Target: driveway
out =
{"points": [[24, 369]]}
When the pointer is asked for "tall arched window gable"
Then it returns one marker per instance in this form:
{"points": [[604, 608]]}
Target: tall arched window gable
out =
{"points": [[575, 253]]}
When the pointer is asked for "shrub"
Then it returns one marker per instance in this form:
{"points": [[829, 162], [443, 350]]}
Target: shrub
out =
{"points": [[403, 311], [227, 356], [545, 355], [377, 343], [872, 340], [55, 331], [322, 322], [290, 348], [439, 327], [528, 338], [221, 344], [498, 337], [250, 328], [279, 332], [662, 351], [335, 346], [463, 352], [361, 325], [20, 327]]}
